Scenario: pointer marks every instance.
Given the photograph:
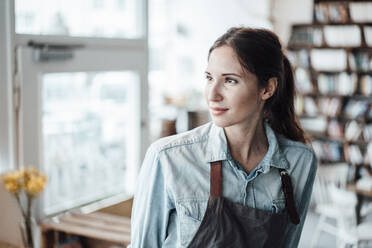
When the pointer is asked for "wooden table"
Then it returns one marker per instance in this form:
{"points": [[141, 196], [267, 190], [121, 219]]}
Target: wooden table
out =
{"points": [[362, 195], [98, 228]]}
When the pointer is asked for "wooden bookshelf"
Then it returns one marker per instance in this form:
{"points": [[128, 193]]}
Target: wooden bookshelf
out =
{"points": [[342, 85]]}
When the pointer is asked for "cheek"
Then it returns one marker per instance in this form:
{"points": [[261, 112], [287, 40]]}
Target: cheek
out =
{"points": [[242, 98], [206, 94], [247, 100]]}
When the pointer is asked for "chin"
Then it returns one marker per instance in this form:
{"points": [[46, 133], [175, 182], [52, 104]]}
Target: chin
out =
{"points": [[221, 122]]}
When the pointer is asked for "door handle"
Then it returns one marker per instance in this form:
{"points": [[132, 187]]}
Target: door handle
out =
{"points": [[47, 52]]}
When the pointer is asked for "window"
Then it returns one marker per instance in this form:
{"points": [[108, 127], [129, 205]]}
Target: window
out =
{"points": [[82, 83], [92, 18]]}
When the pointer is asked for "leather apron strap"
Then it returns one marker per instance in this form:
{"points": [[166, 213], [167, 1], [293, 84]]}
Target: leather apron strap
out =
{"points": [[216, 179], [289, 199]]}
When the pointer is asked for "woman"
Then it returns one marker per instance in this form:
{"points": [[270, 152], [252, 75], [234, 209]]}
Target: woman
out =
{"points": [[229, 183]]}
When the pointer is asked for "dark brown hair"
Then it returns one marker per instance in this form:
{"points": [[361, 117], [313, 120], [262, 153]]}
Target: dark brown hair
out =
{"points": [[259, 51]]}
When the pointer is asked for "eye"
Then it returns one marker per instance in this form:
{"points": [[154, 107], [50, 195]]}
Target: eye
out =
{"points": [[231, 80], [209, 78]]}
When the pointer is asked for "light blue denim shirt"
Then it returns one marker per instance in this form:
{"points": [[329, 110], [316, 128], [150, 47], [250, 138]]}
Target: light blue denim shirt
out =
{"points": [[173, 184]]}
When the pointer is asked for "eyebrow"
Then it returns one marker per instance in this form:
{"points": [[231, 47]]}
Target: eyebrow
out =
{"points": [[226, 74]]}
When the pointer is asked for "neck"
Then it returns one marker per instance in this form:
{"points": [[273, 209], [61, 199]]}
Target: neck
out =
{"points": [[247, 143]]}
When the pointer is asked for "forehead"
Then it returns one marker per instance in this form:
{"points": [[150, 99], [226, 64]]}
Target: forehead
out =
{"points": [[224, 60]]}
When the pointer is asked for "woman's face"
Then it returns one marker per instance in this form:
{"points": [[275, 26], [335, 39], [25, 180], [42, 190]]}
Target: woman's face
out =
{"points": [[232, 95]]}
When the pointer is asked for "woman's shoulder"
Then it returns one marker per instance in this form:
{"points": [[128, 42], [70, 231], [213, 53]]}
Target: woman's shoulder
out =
{"points": [[194, 136], [293, 146], [298, 153]]}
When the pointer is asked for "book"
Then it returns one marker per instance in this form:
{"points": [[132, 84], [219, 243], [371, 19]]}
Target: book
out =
{"points": [[331, 12], [303, 81], [367, 132], [340, 83], [328, 151], [368, 155], [310, 106], [353, 154], [315, 124], [360, 11], [352, 131], [335, 129], [368, 35], [299, 104], [299, 58], [366, 85], [345, 35], [356, 108], [306, 36], [330, 106], [359, 61], [328, 59]]}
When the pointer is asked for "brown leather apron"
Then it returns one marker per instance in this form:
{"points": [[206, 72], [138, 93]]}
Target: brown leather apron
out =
{"points": [[228, 224]]}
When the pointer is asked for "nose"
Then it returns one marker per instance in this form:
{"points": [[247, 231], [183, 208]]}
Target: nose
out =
{"points": [[214, 92]]}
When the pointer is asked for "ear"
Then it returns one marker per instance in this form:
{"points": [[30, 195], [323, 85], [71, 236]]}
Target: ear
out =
{"points": [[269, 90]]}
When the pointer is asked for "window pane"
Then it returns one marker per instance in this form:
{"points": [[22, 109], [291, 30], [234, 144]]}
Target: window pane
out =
{"points": [[89, 18], [87, 128]]}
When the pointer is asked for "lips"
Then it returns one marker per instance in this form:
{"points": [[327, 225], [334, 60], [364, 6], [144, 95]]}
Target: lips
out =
{"points": [[218, 111]]}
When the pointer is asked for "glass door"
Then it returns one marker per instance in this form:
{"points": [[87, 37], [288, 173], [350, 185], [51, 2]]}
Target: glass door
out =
{"points": [[80, 122]]}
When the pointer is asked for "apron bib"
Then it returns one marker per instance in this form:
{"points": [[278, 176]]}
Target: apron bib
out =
{"points": [[229, 224]]}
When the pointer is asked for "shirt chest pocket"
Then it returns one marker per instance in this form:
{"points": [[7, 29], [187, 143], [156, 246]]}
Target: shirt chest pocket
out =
{"points": [[190, 213]]}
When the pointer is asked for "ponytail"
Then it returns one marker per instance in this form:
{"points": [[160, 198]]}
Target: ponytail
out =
{"points": [[279, 110]]}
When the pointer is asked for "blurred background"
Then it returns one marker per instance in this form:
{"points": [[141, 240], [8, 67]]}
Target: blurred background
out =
{"points": [[86, 86]]}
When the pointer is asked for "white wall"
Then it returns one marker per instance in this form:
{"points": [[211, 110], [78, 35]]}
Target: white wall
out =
{"points": [[202, 22], [10, 217], [9, 212]]}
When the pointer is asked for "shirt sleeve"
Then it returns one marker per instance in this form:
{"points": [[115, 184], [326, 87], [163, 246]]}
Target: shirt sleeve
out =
{"points": [[151, 205], [293, 232]]}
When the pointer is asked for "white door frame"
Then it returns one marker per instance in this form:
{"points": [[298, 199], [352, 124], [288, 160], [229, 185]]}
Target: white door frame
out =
{"points": [[7, 132]]}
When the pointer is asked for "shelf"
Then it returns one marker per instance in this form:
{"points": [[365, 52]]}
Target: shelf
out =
{"points": [[360, 72], [354, 96], [305, 116], [309, 47], [339, 140], [328, 162], [321, 24], [313, 133], [324, 161], [341, 1], [339, 117]]}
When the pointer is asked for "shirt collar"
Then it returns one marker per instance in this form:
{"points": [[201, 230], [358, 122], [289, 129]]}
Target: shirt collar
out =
{"points": [[217, 149]]}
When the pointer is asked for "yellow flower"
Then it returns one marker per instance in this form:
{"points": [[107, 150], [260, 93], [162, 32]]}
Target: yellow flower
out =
{"points": [[13, 181], [35, 184], [12, 187], [28, 179]]}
